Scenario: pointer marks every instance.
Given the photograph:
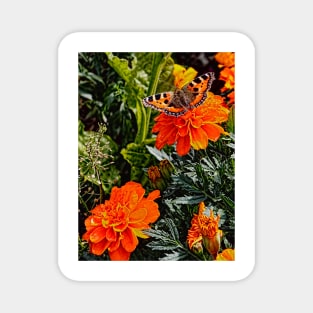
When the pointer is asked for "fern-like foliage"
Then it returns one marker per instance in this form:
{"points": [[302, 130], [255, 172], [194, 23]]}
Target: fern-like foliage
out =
{"points": [[205, 175], [167, 240]]}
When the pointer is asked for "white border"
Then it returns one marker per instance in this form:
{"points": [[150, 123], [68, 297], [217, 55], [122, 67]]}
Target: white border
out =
{"points": [[67, 156]]}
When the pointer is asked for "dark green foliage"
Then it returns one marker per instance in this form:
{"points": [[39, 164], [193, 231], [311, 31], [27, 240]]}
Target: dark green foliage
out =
{"points": [[116, 146]]}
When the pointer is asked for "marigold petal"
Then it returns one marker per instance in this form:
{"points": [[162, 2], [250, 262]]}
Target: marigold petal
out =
{"points": [[121, 227], [216, 115], [183, 145], [194, 233], [114, 245], [183, 131], [139, 225], [115, 195], [166, 135], [131, 193], [111, 234], [138, 215], [213, 131], [92, 221], [136, 188], [153, 195], [129, 240], [140, 234], [97, 210], [196, 122], [97, 235], [153, 213], [87, 234], [119, 254], [99, 248], [199, 138]]}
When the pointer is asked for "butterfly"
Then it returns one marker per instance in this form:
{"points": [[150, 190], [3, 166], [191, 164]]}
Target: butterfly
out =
{"points": [[179, 101]]}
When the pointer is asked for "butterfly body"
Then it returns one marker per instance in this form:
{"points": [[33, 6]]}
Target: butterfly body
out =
{"points": [[179, 101]]}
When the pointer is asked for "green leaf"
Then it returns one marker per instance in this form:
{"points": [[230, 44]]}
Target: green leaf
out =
{"points": [[172, 228], [120, 66], [228, 201], [165, 245], [190, 199], [138, 157], [175, 256], [158, 154]]}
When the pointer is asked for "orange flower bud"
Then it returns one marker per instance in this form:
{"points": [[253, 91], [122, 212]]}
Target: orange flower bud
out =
{"points": [[156, 178], [166, 169]]}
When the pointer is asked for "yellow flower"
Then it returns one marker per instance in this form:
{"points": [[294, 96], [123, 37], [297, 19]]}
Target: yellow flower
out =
{"points": [[226, 255]]}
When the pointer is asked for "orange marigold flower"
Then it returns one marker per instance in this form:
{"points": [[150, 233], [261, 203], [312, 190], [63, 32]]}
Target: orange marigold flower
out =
{"points": [[225, 58], [116, 224], [226, 255], [193, 129], [228, 75], [205, 229]]}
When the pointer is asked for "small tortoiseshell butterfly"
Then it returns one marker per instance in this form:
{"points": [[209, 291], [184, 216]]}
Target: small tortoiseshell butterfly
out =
{"points": [[179, 101]]}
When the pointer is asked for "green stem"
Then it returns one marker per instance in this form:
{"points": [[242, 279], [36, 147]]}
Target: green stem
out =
{"points": [[158, 62]]}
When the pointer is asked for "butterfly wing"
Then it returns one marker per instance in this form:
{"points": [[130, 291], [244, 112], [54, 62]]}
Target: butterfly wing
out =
{"points": [[163, 102], [199, 87], [170, 103]]}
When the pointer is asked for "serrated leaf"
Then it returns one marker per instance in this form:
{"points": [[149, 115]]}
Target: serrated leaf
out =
{"points": [[156, 245], [158, 234], [190, 199], [172, 228], [158, 154], [175, 256]]}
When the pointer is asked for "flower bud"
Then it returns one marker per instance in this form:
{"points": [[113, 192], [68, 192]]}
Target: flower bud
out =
{"points": [[156, 178], [166, 169]]}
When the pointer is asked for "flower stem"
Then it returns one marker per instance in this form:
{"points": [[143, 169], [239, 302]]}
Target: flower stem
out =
{"points": [[159, 60]]}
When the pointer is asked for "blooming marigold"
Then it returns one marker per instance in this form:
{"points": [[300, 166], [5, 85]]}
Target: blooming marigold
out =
{"points": [[116, 224], [193, 129], [205, 229], [196, 127], [225, 58]]}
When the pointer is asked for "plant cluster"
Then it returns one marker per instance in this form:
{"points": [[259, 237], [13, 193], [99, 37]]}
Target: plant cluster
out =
{"points": [[154, 186]]}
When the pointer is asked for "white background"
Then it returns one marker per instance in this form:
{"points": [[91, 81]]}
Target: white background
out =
{"points": [[30, 33], [244, 50]]}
